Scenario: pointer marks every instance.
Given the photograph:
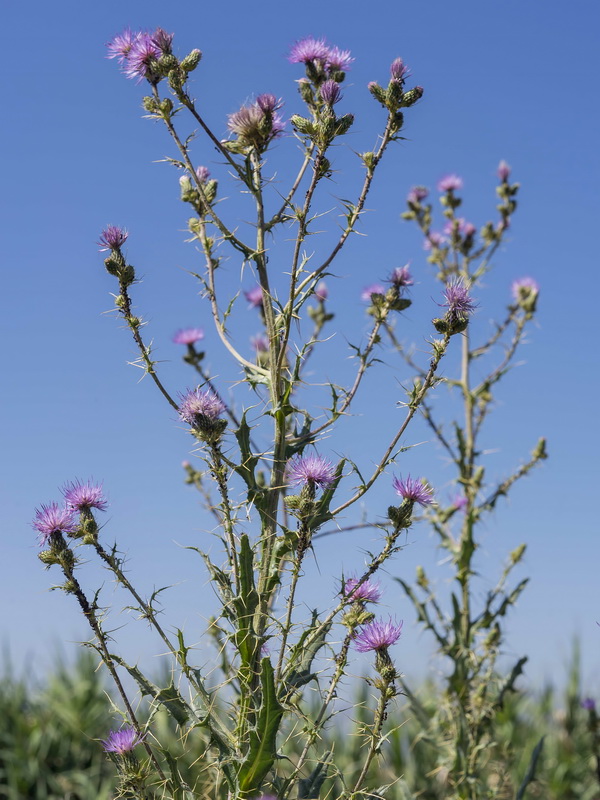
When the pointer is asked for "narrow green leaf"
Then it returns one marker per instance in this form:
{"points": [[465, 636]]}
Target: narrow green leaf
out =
{"points": [[530, 774]]}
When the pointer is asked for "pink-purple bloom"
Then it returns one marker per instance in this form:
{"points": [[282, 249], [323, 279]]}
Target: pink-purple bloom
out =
{"points": [[258, 123], [368, 591], [268, 103], [377, 635], [524, 287], [203, 174], [260, 343], [458, 300], [188, 336], [142, 57], [450, 183], [309, 49], [54, 519], [121, 44], [464, 228], [414, 489], [401, 277], [503, 171], [398, 70], [589, 704], [196, 404], [417, 193], [321, 291], [163, 40], [82, 496], [331, 92], [254, 296], [373, 288], [339, 60], [112, 238], [122, 741], [460, 501], [434, 239], [310, 470]]}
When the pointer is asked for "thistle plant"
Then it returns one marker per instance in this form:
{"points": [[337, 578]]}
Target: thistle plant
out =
{"points": [[267, 476]]}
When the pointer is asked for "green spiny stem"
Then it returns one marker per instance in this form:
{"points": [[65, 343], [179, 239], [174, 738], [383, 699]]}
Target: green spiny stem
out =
{"points": [[129, 318], [290, 195], [386, 691], [219, 472], [90, 615]]}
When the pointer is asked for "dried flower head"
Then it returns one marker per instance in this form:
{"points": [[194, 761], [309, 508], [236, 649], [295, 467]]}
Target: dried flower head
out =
{"points": [[450, 183], [367, 591], [122, 741], [188, 336], [377, 635], [414, 489], [112, 238], [310, 469], [54, 519], [196, 404], [82, 496]]}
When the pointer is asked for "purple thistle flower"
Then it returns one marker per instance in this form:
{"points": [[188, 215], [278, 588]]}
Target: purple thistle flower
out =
{"points": [[377, 635], [464, 228], [330, 92], [142, 57], [398, 70], [459, 502], [311, 469], [373, 288], [188, 336], [401, 277], [112, 238], [196, 403], [268, 103], [339, 60], [122, 741], [121, 44], [451, 183], [203, 174], [321, 291], [83, 496], [589, 704], [369, 591], [254, 296], [54, 519], [309, 49], [434, 239], [458, 300], [503, 171], [414, 490], [523, 288], [260, 343], [416, 194], [163, 40]]}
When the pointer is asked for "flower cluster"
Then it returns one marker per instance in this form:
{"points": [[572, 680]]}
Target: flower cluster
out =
{"points": [[138, 52], [317, 52]]}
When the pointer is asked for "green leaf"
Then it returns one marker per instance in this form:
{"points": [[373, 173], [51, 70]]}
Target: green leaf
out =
{"points": [[248, 462], [310, 787], [169, 697], [530, 774], [263, 738], [299, 668]]}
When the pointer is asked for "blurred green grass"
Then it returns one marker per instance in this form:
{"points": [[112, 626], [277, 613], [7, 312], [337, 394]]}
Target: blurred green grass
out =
{"points": [[49, 748]]}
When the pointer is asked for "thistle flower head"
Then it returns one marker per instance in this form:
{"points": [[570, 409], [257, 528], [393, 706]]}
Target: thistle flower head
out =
{"points": [[503, 171], [524, 288], [54, 519], [368, 591], [268, 103], [196, 404], [260, 343], [460, 501], [401, 277], [373, 288], [257, 124], [589, 704], [309, 49], [112, 238], [461, 226], [254, 297], [414, 489], [314, 470], [338, 60], [142, 57], [416, 194], [398, 70], [122, 741], [331, 92], [82, 496], [163, 40], [434, 239], [377, 635], [203, 174], [121, 44], [458, 300], [188, 336], [450, 183], [321, 291]]}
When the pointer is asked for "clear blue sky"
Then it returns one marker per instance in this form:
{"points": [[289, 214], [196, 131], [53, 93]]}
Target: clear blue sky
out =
{"points": [[506, 80]]}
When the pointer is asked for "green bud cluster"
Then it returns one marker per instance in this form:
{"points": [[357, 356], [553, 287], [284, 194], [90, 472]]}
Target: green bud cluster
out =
{"points": [[116, 265], [208, 430], [450, 324]]}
